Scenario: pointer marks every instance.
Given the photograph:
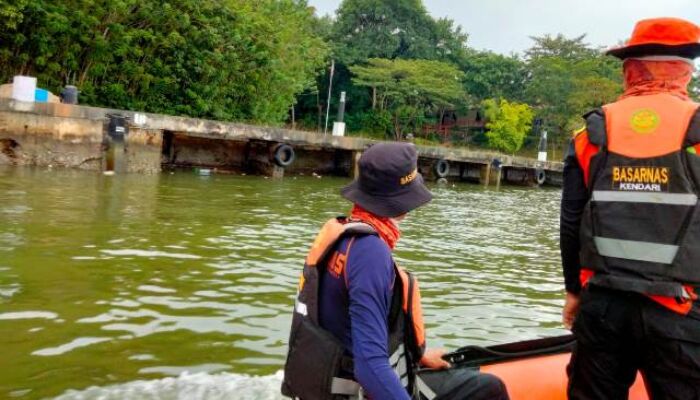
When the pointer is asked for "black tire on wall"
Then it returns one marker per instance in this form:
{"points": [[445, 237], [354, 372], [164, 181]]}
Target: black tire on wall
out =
{"points": [[540, 176], [283, 155], [441, 168]]}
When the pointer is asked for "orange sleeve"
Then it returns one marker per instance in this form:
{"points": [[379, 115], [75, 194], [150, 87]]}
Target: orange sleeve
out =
{"points": [[585, 150]]}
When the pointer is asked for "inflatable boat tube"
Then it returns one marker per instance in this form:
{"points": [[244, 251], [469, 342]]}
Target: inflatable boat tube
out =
{"points": [[533, 369]]}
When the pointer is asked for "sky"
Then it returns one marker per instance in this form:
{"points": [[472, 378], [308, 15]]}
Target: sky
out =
{"points": [[504, 26]]}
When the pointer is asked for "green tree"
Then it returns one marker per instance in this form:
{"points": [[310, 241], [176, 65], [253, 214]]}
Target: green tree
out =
{"points": [[408, 89], [392, 29], [567, 78], [508, 124], [222, 59], [11, 13], [491, 75], [364, 29], [695, 87], [450, 41], [559, 46]]}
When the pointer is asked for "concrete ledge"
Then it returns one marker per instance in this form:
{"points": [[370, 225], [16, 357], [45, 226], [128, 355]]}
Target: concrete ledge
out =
{"points": [[74, 136]]}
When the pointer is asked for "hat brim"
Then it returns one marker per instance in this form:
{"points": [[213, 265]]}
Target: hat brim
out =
{"points": [[412, 197], [690, 50]]}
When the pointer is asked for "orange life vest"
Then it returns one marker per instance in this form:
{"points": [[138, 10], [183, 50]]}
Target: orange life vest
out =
{"points": [[641, 227], [315, 358]]}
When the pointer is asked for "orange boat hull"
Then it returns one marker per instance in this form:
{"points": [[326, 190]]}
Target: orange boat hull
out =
{"points": [[544, 378]]}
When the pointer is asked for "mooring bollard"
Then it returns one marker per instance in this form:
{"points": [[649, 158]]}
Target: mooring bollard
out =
{"points": [[115, 144], [69, 95], [356, 164], [497, 164], [486, 174]]}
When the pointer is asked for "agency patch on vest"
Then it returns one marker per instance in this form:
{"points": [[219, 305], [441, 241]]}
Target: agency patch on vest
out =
{"points": [[645, 121], [647, 179]]}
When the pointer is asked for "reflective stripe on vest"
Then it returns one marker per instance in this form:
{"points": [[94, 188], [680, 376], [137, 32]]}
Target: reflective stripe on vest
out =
{"points": [[634, 250], [398, 362], [398, 354], [674, 199], [424, 389], [346, 387]]}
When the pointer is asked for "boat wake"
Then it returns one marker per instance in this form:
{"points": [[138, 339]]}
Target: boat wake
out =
{"points": [[198, 386]]}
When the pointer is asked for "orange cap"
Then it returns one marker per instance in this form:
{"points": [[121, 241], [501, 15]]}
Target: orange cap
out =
{"points": [[661, 37]]}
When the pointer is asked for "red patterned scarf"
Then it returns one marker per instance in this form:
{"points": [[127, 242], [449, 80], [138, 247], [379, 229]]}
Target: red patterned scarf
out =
{"points": [[385, 227]]}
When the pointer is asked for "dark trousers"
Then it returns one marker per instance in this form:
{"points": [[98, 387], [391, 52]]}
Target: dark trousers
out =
{"points": [[620, 333], [461, 384]]}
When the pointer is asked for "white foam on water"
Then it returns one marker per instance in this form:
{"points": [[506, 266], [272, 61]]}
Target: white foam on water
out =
{"points": [[198, 386], [176, 371], [8, 291], [28, 315], [149, 253], [64, 348], [155, 289]]}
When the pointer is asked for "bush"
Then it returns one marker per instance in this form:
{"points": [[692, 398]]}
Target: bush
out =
{"points": [[374, 123], [508, 124]]}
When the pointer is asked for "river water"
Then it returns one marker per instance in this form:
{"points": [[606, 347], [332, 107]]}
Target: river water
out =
{"points": [[178, 286]]}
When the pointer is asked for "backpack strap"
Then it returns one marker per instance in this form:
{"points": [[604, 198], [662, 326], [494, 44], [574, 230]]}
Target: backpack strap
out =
{"points": [[692, 138], [334, 230], [596, 127]]}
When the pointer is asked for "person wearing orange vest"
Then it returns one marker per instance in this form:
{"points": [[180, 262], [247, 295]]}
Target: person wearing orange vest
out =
{"points": [[357, 327], [630, 226]]}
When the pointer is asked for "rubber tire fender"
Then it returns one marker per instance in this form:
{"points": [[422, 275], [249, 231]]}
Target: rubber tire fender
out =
{"points": [[441, 168], [283, 155], [540, 176]]}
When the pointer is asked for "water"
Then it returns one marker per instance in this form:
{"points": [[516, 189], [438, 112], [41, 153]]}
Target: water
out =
{"points": [[180, 286]]}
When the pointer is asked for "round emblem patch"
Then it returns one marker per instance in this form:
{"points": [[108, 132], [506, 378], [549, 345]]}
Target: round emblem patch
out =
{"points": [[645, 121]]}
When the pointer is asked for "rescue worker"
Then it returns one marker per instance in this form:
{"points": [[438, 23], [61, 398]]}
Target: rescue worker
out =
{"points": [[357, 328], [630, 226]]}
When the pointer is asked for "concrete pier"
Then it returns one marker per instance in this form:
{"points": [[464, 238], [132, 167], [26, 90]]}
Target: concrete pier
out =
{"points": [[62, 135]]}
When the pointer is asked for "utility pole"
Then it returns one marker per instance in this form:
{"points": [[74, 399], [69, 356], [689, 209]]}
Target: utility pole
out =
{"points": [[328, 102]]}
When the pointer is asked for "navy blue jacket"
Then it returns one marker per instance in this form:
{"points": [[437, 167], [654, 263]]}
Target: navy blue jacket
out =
{"points": [[354, 306]]}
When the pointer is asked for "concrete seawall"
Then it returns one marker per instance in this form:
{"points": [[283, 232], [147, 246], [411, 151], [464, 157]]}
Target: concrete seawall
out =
{"points": [[61, 135]]}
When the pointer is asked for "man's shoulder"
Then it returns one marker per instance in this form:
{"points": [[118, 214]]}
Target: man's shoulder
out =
{"points": [[369, 252], [371, 243]]}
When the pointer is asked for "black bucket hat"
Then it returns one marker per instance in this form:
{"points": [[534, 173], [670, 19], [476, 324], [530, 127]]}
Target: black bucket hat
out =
{"points": [[389, 184]]}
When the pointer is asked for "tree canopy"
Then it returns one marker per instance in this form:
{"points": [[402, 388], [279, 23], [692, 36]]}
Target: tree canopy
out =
{"points": [[491, 75], [560, 78], [408, 88], [367, 29], [223, 59], [695, 87], [266, 60], [567, 78]]}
